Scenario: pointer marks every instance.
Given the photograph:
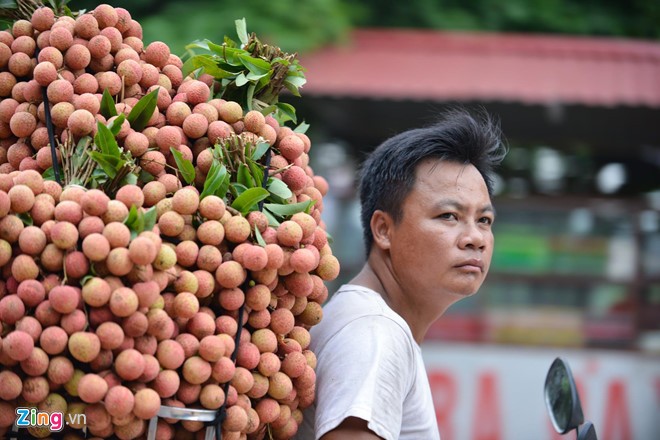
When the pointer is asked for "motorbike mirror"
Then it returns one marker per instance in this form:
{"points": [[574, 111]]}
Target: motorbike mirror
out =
{"points": [[561, 398], [587, 432]]}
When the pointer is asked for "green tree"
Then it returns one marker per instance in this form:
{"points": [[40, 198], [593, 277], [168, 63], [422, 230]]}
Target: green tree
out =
{"points": [[304, 25], [293, 25], [636, 18]]}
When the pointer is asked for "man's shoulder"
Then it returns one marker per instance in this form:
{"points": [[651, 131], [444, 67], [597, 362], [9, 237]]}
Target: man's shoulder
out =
{"points": [[352, 302], [348, 296], [362, 314]]}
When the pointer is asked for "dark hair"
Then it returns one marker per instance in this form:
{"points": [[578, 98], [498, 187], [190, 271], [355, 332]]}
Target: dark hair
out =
{"points": [[388, 175]]}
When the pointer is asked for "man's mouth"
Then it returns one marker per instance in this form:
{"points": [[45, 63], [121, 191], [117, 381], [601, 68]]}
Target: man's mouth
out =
{"points": [[473, 264]]}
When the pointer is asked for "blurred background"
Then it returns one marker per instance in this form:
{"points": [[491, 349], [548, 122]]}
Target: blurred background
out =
{"points": [[576, 271]]}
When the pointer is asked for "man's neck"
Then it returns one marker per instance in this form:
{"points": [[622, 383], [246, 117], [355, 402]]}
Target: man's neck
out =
{"points": [[378, 276]]}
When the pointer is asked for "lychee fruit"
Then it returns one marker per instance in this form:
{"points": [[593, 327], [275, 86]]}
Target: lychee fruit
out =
{"points": [[84, 346], [157, 53], [81, 123]]}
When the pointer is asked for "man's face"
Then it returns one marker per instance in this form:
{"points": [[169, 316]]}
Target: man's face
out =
{"points": [[443, 243]]}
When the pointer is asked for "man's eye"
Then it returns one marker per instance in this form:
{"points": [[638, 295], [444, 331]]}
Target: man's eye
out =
{"points": [[447, 216], [486, 220]]}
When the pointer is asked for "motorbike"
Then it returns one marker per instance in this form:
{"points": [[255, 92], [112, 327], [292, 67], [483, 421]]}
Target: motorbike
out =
{"points": [[563, 402]]}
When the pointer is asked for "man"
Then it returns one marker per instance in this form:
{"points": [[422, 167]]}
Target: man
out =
{"points": [[427, 219]]}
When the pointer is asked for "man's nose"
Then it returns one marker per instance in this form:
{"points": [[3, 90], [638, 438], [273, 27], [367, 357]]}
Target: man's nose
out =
{"points": [[472, 236]]}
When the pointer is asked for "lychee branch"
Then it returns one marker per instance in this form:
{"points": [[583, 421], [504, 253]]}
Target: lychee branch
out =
{"points": [[253, 75], [20, 9]]}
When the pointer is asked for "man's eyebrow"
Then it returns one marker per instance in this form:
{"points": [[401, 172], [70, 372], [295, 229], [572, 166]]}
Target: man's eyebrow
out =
{"points": [[460, 207]]}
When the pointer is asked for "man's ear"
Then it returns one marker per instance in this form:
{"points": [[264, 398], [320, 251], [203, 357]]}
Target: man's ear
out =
{"points": [[381, 228]]}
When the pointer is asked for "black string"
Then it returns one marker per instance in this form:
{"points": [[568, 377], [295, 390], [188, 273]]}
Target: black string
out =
{"points": [[49, 127], [264, 182], [221, 413]]}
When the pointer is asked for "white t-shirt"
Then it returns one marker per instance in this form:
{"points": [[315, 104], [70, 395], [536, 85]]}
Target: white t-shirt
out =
{"points": [[369, 366]]}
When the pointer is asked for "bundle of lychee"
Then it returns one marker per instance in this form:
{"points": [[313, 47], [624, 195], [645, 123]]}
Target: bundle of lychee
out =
{"points": [[110, 322], [124, 292], [79, 60]]}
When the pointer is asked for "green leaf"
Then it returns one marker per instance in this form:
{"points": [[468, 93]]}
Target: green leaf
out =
{"points": [[79, 156], [49, 174], [330, 239], [229, 55], [241, 30], [257, 172], [99, 176], [243, 176], [270, 109], [287, 112], [253, 77], [241, 80], [110, 164], [217, 49], [237, 189], [272, 221], [295, 80], [184, 165], [290, 209], [150, 218], [134, 221], [189, 66], [217, 152], [229, 42], [138, 221], [291, 88], [261, 149], [256, 66], [260, 239], [108, 108], [115, 124], [248, 199], [198, 44], [106, 141], [224, 187], [143, 111], [145, 177], [262, 83], [25, 218], [214, 179], [132, 216], [279, 188], [232, 69], [130, 179], [86, 279], [277, 200], [250, 96], [301, 128], [210, 66], [280, 60]]}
